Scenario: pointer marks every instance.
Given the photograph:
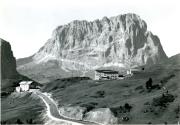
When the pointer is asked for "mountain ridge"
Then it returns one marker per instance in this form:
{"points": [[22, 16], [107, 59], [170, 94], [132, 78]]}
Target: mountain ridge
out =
{"points": [[67, 39], [121, 40]]}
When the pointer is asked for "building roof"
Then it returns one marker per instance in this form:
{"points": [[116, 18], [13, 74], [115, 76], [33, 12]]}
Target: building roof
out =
{"points": [[25, 82], [107, 71]]}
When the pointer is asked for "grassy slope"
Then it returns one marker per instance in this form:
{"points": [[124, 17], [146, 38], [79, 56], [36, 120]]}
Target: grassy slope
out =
{"points": [[43, 73], [24, 106], [118, 92]]}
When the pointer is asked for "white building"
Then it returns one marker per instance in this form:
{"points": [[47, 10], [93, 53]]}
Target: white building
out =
{"points": [[24, 86], [110, 74], [129, 72], [106, 74], [18, 89]]}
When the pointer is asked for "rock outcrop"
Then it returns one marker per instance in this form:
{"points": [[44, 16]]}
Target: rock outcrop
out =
{"points": [[72, 112], [122, 41], [9, 76], [8, 64], [102, 116], [110, 40], [99, 115]]}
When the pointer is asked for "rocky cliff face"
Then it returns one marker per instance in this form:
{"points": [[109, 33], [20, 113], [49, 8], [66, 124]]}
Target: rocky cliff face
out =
{"points": [[116, 41], [8, 63]]}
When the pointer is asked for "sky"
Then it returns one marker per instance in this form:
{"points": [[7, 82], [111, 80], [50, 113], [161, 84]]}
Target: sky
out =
{"points": [[28, 24]]}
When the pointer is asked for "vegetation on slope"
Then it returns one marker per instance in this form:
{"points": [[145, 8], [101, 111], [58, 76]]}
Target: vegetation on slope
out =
{"points": [[21, 108], [156, 104]]}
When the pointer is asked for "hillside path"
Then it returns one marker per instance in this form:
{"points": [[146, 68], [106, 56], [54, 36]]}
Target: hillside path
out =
{"points": [[53, 113]]}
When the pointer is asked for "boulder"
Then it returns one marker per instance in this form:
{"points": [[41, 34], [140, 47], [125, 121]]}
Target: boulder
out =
{"points": [[101, 115], [72, 112]]}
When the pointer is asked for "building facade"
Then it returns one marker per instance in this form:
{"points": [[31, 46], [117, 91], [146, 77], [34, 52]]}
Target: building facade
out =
{"points": [[129, 72], [24, 86], [106, 74], [111, 74]]}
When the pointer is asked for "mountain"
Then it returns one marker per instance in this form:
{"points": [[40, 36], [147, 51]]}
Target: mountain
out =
{"points": [[174, 60], [9, 76], [122, 41], [8, 64]]}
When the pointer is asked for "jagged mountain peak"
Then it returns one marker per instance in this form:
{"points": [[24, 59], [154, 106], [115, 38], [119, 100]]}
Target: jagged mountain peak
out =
{"points": [[122, 41], [114, 39]]}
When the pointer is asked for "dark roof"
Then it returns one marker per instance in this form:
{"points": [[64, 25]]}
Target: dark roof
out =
{"points": [[107, 71]]}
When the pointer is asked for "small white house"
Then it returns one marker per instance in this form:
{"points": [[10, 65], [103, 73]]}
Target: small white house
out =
{"points": [[24, 86], [18, 89], [129, 72]]}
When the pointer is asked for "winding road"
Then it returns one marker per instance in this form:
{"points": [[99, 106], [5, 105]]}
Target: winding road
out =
{"points": [[53, 113]]}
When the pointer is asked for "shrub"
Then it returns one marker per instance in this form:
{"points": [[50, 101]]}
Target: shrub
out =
{"points": [[127, 107], [167, 78], [3, 122], [4, 94], [117, 110], [89, 106], [163, 101], [19, 121], [177, 111], [121, 109], [149, 83], [139, 87], [149, 122], [125, 118], [99, 94], [55, 88], [146, 103], [29, 121]]}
